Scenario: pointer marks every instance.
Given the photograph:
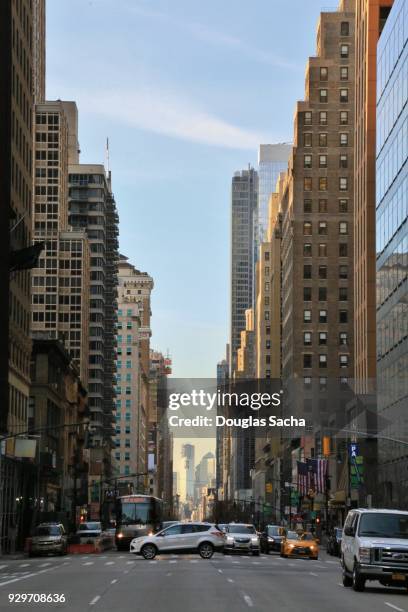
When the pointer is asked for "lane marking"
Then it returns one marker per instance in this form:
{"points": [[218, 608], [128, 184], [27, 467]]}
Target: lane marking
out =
{"points": [[255, 563], [49, 569], [88, 563], [230, 580], [220, 571], [237, 562], [109, 563], [95, 599], [130, 562], [114, 580], [2, 566], [393, 607], [313, 574], [172, 561], [24, 565], [248, 601], [44, 564], [193, 561], [152, 562]]}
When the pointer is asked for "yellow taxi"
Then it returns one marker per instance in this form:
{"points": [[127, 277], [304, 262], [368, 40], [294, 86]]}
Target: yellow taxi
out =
{"points": [[300, 545]]}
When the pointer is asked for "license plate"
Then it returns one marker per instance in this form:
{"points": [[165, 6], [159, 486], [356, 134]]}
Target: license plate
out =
{"points": [[300, 550], [398, 577]]}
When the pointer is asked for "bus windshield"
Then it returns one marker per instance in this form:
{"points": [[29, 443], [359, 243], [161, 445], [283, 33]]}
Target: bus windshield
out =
{"points": [[136, 513]]}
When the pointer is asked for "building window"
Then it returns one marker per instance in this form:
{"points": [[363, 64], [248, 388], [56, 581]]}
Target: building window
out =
{"points": [[322, 316], [127, 456], [344, 73], [307, 139], [307, 271], [322, 294], [127, 443], [344, 28], [307, 161], [323, 249], [322, 183], [343, 183], [307, 183], [266, 315], [322, 206], [344, 140], [322, 161], [323, 383], [343, 272], [117, 456], [322, 139], [343, 161], [343, 361], [307, 228], [307, 206], [343, 205], [307, 360], [343, 95], [322, 361], [322, 338], [268, 330], [324, 73], [322, 228], [266, 255], [307, 316], [307, 382], [307, 249], [343, 227], [307, 338], [127, 429], [343, 294], [344, 51], [267, 344], [323, 117], [323, 95], [307, 294], [322, 272], [343, 316], [343, 249], [343, 117], [308, 118], [343, 339]]}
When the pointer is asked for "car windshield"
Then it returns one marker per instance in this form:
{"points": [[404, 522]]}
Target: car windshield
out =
{"points": [[47, 530], [241, 529], [307, 536], [292, 535], [273, 531], [384, 525], [90, 527]]}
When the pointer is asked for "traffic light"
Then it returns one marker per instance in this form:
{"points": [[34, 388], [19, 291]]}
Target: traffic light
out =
{"points": [[317, 520]]}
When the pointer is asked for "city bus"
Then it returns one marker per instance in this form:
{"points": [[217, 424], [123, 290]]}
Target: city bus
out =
{"points": [[136, 515]]}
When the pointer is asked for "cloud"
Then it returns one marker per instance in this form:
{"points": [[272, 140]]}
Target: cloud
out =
{"points": [[168, 114]]}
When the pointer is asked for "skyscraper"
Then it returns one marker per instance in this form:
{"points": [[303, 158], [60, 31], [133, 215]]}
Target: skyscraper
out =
{"points": [[272, 159], [392, 255], [188, 453], [244, 209]]}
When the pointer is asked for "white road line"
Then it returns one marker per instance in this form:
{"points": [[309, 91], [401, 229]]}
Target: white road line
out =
{"points": [[24, 565], [220, 571], [27, 576], [88, 563], [393, 607], [109, 563], [121, 557], [95, 599], [230, 580], [248, 601], [237, 562], [193, 561], [44, 564], [152, 562], [114, 580], [130, 562], [313, 574], [172, 561], [334, 562], [291, 564], [2, 566], [255, 563]]}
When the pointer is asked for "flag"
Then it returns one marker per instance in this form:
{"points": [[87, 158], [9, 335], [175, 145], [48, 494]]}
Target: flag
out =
{"points": [[302, 478], [317, 468]]}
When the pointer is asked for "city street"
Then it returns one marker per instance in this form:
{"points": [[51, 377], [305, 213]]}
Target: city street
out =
{"points": [[120, 582]]}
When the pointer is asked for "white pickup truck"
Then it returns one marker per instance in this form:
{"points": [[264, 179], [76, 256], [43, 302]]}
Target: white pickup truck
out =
{"points": [[375, 547]]}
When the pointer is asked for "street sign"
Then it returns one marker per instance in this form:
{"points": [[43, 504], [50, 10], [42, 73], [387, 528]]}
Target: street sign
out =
{"points": [[268, 487], [353, 449]]}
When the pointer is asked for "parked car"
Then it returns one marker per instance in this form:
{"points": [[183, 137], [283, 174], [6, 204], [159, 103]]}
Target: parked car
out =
{"points": [[89, 531], [204, 538], [241, 538], [49, 538], [271, 538], [166, 524], [300, 545], [334, 542], [374, 546]]}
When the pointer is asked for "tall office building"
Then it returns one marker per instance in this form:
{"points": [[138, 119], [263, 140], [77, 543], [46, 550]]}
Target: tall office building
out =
{"points": [[370, 18], [272, 160], [188, 453], [132, 408], [392, 255], [60, 282], [244, 210]]}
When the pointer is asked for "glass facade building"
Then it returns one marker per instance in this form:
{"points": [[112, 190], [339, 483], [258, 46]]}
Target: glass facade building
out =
{"points": [[392, 256], [272, 159]]}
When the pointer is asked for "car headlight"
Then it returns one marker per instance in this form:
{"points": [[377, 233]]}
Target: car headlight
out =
{"points": [[364, 554], [271, 540], [311, 547], [291, 545], [230, 540], [254, 540], [120, 535]]}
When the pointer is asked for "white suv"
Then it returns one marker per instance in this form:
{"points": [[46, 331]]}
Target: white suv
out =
{"points": [[204, 538], [374, 546]]}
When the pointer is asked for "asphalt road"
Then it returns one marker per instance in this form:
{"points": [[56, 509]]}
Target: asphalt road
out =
{"points": [[120, 582]]}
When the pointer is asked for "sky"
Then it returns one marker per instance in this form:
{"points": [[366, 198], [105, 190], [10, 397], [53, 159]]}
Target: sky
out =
{"points": [[185, 90]]}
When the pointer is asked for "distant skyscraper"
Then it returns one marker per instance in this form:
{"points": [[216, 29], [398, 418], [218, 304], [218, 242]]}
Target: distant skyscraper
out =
{"points": [[188, 452], [244, 207], [272, 159]]}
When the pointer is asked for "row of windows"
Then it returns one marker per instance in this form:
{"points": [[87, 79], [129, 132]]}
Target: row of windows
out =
{"points": [[322, 249], [308, 382], [323, 183], [322, 161], [391, 46], [393, 272], [308, 271], [391, 160], [322, 337], [323, 118], [343, 205], [322, 228], [323, 316], [391, 106], [322, 361], [118, 431], [343, 95], [128, 364], [322, 294], [128, 390], [392, 329], [322, 139], [126, 456], [343, 74]]}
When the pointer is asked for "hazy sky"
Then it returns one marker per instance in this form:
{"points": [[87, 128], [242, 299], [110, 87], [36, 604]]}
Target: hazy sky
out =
{"points": [[185, 90]]}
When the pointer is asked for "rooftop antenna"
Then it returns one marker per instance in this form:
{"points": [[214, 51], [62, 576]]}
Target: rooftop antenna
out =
{"points": [[107, 156]]}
